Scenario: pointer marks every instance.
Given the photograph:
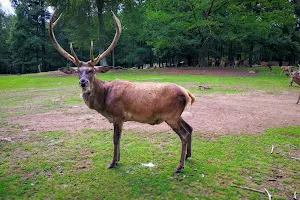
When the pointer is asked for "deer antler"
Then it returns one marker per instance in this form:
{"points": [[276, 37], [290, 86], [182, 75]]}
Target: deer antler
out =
{"points": [[71, 58], [91, 53], [112, 45]]}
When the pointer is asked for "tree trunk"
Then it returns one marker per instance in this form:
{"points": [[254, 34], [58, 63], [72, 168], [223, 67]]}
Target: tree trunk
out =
{"points": [[100, 7], [113, 58], [201, 57], [251, 55], [43, 29], [151, 58]]}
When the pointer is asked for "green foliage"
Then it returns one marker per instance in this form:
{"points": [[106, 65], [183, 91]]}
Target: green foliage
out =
{"points": [[161, 31], [27, 41], [5, 22]]}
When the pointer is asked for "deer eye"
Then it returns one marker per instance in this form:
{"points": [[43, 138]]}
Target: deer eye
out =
{"points": [[90, 71]]}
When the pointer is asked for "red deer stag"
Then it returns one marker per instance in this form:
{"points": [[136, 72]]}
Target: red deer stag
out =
{"points": [[120, 101]]}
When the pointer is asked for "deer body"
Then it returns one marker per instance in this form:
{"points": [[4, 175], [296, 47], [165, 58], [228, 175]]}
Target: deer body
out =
{"points": [[266, 64], [151, 103], [287, 69], [120, 101]]}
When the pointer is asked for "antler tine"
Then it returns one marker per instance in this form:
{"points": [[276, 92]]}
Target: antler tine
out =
{"points": [[74, 55], [114, 42], [91, 53], [55, 43], [56, 21]]}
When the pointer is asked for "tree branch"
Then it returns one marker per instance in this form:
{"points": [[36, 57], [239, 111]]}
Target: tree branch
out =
{"points": [[247, 188], [210, 8]]}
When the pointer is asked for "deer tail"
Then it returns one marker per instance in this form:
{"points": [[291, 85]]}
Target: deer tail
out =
{"points": [[189, 96], [192, 97]]}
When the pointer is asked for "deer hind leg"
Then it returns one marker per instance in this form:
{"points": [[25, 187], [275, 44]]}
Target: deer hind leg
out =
{"points": [[298, 98], [116, 138], [189, 129], [183, 135]]}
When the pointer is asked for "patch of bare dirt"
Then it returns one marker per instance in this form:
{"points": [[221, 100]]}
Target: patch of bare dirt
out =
{"points": [[213, 113]]}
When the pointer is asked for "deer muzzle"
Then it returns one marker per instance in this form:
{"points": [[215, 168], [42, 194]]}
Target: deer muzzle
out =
{"points": [[84, 82]]}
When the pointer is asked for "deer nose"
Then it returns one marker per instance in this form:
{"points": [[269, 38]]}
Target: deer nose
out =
{"points": [[83, 82]]}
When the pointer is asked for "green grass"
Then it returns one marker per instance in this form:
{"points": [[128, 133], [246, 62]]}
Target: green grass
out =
{"points": [[72, 164], [76, 168], [264, 81]]}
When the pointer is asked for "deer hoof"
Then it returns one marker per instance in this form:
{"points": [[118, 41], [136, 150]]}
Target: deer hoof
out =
{"points": [[187, 156], [111, 165], [178, 169]]}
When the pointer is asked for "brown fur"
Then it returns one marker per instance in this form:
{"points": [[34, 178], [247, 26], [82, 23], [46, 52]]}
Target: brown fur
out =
{"points": [[266, 64], [295, 77], [224, 63], [150, 103], [287, 69], [246, 63]]}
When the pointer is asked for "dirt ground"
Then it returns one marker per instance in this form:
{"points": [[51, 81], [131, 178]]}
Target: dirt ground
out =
{"points": [[251, 112], [213, 113]]}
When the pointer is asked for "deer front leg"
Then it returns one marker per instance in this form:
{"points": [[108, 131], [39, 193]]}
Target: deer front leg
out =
{"points": [[116, 138], [298, 98]]}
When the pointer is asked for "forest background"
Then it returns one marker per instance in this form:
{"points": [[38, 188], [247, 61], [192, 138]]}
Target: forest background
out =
{"points": [[154, 32]]}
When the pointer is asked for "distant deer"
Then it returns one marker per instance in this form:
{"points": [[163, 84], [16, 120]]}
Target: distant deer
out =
{"points": [[246, 63], [120, 101], [237, 63], [266, 64], [224, 63], [286, 69]]}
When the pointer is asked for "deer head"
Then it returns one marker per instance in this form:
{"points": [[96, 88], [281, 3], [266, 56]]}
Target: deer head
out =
{"points": [[85, 70]]}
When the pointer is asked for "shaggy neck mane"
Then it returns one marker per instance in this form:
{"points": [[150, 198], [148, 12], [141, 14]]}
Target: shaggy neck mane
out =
{"points": [[95, 98]]}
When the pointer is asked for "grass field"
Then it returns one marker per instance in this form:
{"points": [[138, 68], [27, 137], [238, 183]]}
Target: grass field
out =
{"points": [[72, 164]]}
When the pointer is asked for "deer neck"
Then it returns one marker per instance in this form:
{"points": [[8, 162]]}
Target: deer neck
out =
{"points": [[94, 98]]}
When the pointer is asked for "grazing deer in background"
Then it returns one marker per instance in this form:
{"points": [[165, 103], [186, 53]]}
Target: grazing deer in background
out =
{"points": [[224, 63], [237, 63], [246, 63], [266, 64], [120, 101], [286, 69]]}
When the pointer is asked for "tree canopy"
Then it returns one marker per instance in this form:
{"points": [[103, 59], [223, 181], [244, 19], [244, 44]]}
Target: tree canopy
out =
{"points": [[160, 31]]}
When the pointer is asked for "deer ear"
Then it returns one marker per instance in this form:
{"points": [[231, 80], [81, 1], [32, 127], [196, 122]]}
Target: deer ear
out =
{"points": [[68, 70], [102, 69]]}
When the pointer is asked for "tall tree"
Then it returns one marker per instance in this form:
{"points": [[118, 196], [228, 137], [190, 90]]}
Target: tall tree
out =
{"points": [[28, 36], [5, 22]]}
